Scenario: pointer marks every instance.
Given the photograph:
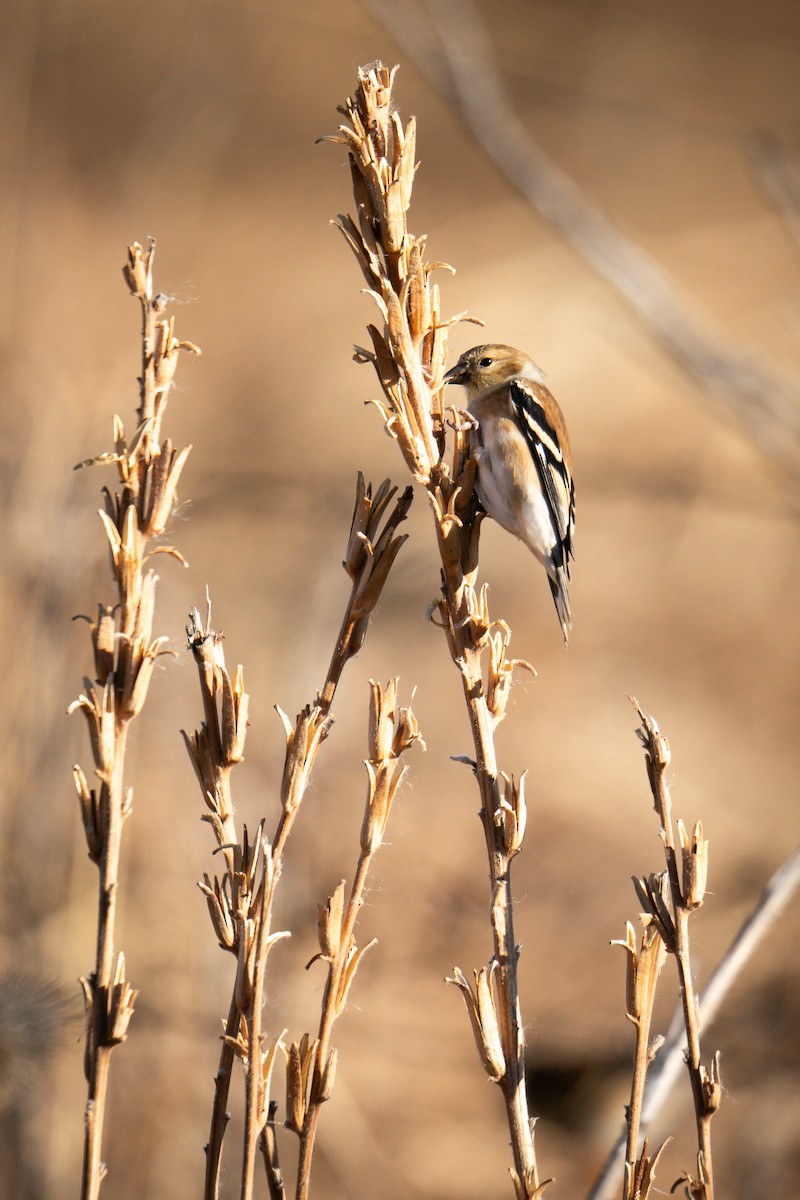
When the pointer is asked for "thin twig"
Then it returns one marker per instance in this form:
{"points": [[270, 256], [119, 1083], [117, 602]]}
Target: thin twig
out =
{"points": [[781, 177]]}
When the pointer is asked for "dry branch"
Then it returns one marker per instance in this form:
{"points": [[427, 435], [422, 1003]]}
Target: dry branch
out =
{"points": [[780, 176], [668, 901], [671, 1055], [240, 900], [392, 732], [124, 653], [408, 351]]}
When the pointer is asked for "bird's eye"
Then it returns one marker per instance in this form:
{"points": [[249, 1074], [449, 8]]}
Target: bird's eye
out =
{"points": [[485, 362]]}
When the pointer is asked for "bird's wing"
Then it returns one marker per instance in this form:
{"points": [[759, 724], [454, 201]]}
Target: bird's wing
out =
{"points": [[547, 439]]}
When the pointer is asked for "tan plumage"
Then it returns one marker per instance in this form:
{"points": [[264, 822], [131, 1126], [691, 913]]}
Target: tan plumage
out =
{"points": [[524, 463]]}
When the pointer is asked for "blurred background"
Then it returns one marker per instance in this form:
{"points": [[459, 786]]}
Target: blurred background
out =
{"points": [[196, 123]]}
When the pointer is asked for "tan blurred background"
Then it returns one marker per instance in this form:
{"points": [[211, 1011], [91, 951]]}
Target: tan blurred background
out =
{"points": [[196, 123]]}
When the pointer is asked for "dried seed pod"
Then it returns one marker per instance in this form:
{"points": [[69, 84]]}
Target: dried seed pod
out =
{"points": [[479, 1001], [380, 733], [694, 860], [329, 923], [654, 896], [512, 813], [137, 270], [711, 1084], [303, 740], [643, 968]]}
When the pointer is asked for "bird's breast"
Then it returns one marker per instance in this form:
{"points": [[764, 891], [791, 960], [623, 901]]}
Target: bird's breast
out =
{"points": [[503, 451], [507, 483]]}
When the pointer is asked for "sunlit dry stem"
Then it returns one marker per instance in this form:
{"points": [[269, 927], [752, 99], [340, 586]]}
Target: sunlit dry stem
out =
{"points": [[371, 550], [391, 733], [159, 347], [671, 1049], [240, 903], [259, 1063], [643, 968], [685, 892], [124, 653], [408, 353]]}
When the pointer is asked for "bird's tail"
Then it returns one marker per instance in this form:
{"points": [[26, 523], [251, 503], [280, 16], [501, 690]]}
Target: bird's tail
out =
{"points": [[558, 587]]}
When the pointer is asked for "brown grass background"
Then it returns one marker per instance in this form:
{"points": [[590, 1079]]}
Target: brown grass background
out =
{"points": [[196, 123]]}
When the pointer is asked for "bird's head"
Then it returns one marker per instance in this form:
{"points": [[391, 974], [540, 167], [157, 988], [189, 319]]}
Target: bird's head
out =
{"points": [[484, 368]]}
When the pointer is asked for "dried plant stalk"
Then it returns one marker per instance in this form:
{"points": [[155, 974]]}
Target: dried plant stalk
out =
{"points": [[392, 731], [668, 899], [672, 1054], [240, 901], [643, 969], [408, 353], [124, 654]]}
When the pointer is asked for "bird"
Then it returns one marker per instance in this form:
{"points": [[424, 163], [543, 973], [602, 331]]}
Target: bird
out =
{"points": [[524, 464]]}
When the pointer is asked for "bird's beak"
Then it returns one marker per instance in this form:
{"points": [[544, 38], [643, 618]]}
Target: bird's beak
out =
{"points": [[456, 374]]}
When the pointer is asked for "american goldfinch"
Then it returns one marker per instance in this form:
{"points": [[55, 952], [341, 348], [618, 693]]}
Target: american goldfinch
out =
{"points": [[524, 465]]}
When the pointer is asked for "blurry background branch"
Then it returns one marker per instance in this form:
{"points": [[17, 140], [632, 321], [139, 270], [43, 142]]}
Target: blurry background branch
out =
{"points": [[781, 178], [763, 397]]}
